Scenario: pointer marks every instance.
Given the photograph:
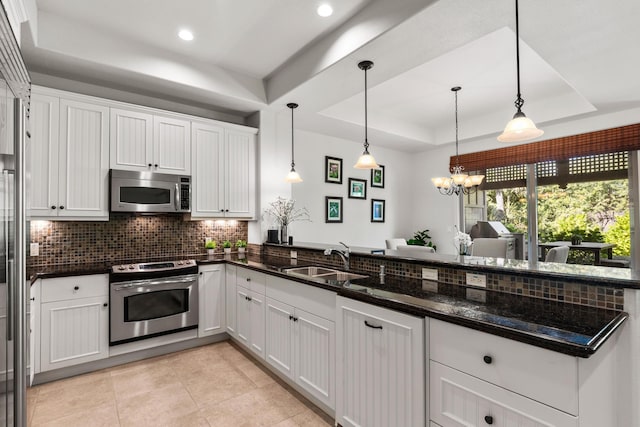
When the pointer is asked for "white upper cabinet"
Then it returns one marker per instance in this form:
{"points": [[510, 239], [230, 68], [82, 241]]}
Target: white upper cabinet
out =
{"points": [[68, 158], [224, 164], [141, 141]]}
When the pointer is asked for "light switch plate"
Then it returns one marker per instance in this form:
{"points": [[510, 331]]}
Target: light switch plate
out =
{"points": [[34, 249], [294, 254], [479, 280], [430, 273]]}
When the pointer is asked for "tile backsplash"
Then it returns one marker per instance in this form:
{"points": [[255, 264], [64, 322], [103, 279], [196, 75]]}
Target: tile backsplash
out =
{"points": [[127, 237], [536, 287]]}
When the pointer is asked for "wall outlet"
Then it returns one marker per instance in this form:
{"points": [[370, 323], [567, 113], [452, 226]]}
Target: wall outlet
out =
{"points": [[294, 254], [430, 273], [34, 249], [479, 280], [429, 286]]}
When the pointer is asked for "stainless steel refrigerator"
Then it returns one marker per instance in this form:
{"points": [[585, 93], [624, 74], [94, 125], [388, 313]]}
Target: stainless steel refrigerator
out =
{"points": [[14, 105]]}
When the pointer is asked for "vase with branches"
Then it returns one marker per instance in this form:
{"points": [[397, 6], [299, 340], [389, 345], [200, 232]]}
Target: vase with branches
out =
{"points": [[284, 212]]}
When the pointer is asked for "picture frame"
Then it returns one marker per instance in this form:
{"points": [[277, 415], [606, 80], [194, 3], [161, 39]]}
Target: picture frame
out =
{"points": [[332, 170], [377, 210], [357, 188], [333, 209], [377, 177]]}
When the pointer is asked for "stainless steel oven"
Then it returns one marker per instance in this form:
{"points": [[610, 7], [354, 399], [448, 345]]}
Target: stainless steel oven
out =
{"points": [[152, 299]]}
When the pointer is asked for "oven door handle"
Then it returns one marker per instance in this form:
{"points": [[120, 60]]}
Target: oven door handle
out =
{"points": [[154, 282]]}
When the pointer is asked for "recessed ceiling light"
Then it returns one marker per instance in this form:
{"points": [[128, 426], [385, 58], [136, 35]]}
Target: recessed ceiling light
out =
{"points": [[325, 10], [185, 35]]}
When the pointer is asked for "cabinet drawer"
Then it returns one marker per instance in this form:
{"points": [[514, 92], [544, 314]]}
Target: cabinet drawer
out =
{"points": [[252, 280], [309, 298], [73, 287], [543, 375], [458, 399]]}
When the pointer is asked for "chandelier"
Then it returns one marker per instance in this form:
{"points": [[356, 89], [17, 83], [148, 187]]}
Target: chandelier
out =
{"points": [[459, 182]]}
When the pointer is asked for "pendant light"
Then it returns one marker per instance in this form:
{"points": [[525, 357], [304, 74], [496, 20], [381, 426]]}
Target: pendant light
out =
{"points": [[292, 176], [459, 182], [366, 161], [520, 128]]}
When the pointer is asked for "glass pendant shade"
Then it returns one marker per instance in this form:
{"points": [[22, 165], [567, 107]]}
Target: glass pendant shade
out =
{"points": [[366, 161], [520, 128], [293, 177]]}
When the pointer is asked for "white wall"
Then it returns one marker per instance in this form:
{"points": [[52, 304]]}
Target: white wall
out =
{"points": [[356, 228]]}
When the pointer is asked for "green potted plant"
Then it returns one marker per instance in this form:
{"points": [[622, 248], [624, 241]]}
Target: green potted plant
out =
{"points": [[421, 238], [210, 246], [241, 245], [227, 246]]}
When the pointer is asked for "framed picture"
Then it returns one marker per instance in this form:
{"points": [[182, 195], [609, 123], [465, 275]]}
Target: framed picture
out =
{"points": [[377, 210], [377, 177], [357, 188], [333, 209], [332, 170]]}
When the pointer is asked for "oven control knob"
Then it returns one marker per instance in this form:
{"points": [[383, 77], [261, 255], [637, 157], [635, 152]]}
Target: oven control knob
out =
{"points": [[121, 268], [131, 267], [180, 262]]}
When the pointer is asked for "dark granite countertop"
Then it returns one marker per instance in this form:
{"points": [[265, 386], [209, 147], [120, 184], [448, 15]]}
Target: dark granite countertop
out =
{"points": [[566, 328]]}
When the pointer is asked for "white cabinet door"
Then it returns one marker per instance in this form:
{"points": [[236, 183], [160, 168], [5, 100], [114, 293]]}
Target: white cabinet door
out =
{"points": [[171, 145], [209, 170], [240, 197], [211, 300], [230, 296], [84, 160], [243, 315], [258, 314], [42, 156], [279, 351], [380, 368], [458, 399], [131, 140], [74, 331], [314, 355]]}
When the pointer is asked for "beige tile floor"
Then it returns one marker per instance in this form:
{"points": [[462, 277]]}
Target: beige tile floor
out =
{"points": [[210, 386]]}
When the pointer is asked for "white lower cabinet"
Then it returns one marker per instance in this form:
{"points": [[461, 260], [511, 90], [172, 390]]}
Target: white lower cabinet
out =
{"points": [[301, 346], [230, 296], [212, 301], [380, 366], [74, 321], [479, 379], [461, 400], [250, 310]]}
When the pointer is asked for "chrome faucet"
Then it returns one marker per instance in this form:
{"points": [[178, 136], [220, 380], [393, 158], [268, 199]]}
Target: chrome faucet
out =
{"points": [[344, 254]]}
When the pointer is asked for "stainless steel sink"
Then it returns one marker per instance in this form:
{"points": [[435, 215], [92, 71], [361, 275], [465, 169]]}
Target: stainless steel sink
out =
{"points": [[310, 271], [323, 273]]}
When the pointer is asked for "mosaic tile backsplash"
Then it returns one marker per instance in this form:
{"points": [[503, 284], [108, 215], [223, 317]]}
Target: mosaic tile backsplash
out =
{"points": [[554, 290], [128, 237]]}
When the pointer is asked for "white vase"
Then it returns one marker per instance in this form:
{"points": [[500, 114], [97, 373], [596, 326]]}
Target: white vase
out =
{"points": [[210, 251], [241, 250], [227, 250]]}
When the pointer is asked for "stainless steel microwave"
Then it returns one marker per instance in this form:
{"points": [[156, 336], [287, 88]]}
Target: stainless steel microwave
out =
{"points": [[149, 192]]}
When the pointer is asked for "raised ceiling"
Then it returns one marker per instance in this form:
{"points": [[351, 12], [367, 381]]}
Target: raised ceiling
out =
{"points": [[579, 59]]}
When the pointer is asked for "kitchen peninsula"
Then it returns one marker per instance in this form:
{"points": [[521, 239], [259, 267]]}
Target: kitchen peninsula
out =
{"points": [[564, 328]]}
